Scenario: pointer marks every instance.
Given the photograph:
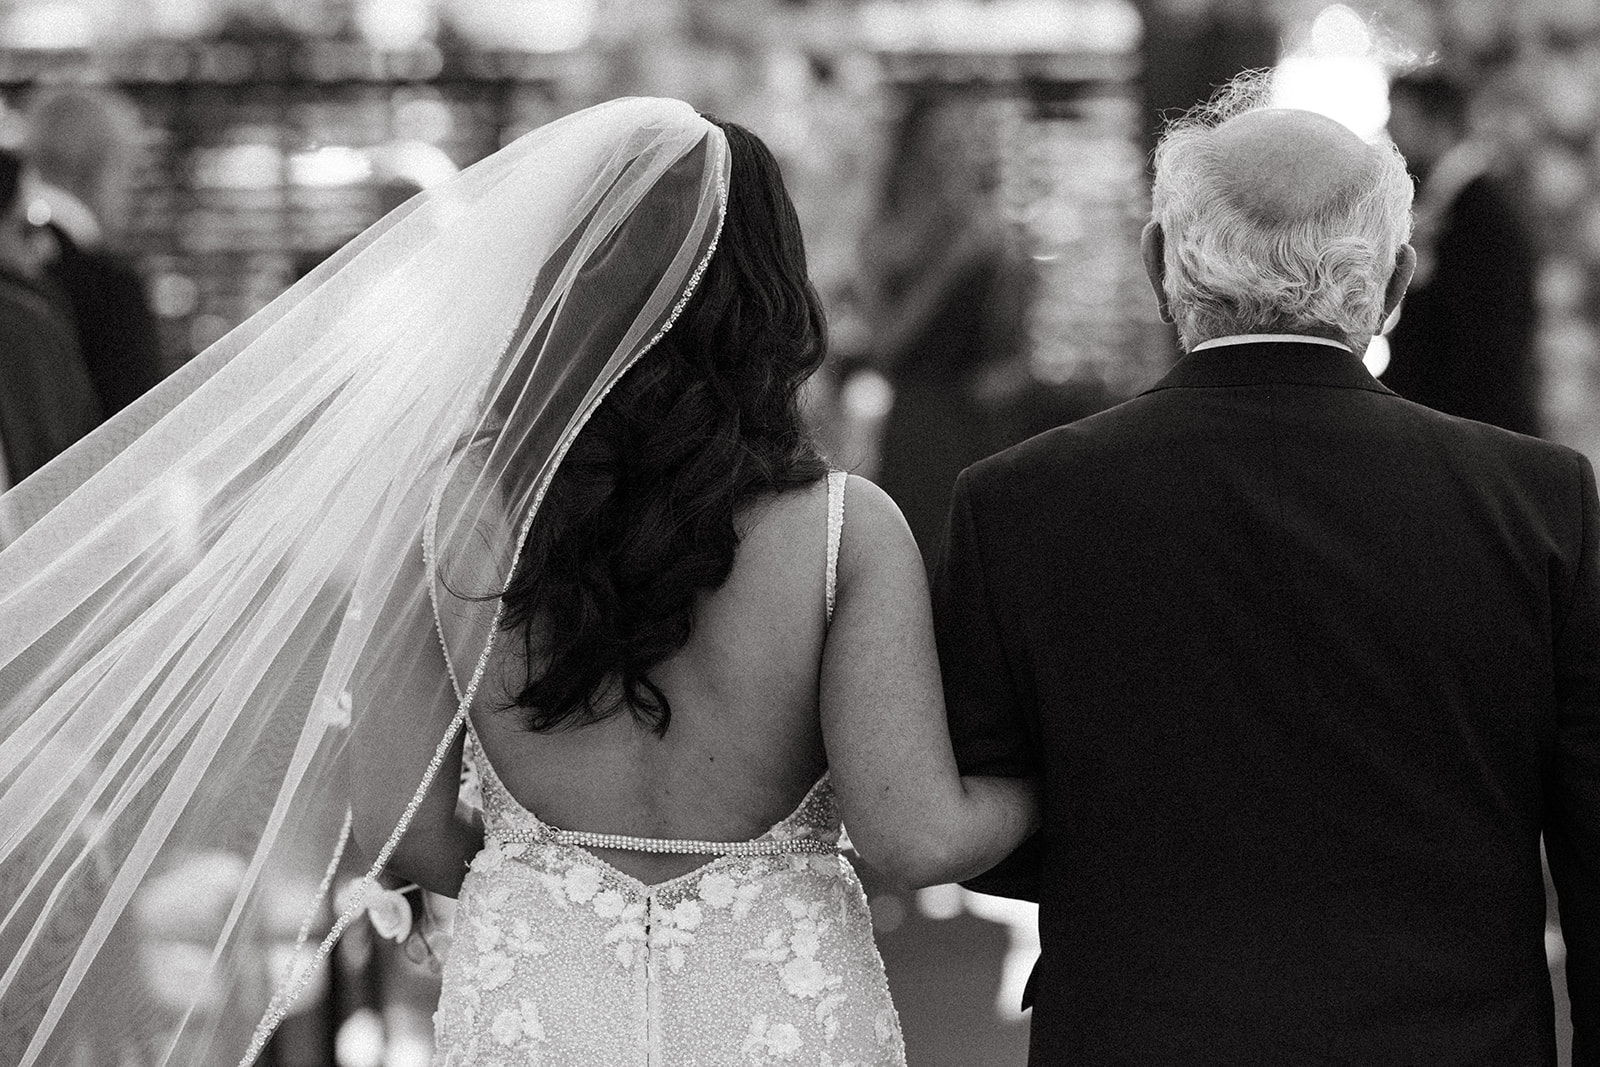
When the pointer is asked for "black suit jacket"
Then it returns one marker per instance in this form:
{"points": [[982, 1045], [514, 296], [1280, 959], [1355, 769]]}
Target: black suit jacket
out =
{"points": [[1307, 669], [116, 328], [46, 399]]}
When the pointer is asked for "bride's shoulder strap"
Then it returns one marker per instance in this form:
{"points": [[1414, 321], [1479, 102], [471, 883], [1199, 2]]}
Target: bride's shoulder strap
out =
{"points": [[836, 481]]}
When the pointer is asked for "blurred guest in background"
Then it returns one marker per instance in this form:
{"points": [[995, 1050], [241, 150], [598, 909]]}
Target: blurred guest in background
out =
{"points": [[946, 291], [1464, 342], [84, 142], [947, 295], [46, 399]]}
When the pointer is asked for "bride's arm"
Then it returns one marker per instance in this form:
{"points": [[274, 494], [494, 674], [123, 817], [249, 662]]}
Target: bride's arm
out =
{"points": [[441, 838], [403, 704], [911, 814]]}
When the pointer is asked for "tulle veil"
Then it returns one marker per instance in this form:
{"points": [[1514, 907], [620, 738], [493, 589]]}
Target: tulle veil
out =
{"points": [[199, 601]]}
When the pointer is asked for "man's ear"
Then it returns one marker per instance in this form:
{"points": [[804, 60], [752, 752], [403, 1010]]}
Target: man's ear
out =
{"points": [[1153, 248], [1405, 265]]}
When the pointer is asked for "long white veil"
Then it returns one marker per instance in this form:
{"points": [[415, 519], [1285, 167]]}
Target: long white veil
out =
{"points": [[199, 601]]}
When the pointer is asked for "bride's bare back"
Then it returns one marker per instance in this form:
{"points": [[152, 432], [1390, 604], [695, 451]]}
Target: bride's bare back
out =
{"points": [[766, 695], [745, 740]]}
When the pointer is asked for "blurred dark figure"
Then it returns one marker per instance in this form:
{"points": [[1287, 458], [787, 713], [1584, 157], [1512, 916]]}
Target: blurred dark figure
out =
{"points": [[1190, 47], [84, 144], [948, 292], [1464, 342], [46, 399]]}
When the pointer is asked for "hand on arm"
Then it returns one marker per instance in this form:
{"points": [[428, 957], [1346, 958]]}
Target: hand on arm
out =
{"points": [[403, 704], [990, 718], [909, 811], [442, 837]]}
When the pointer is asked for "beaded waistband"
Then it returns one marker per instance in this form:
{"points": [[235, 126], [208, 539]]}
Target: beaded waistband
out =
{"points": [[775, 846]]}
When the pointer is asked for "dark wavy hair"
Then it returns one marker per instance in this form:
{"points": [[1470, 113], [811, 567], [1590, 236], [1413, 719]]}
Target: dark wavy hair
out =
{"points": [[639, 518]]}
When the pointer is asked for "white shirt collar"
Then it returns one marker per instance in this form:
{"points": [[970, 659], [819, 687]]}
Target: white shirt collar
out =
{"points": [[1268, 338], [68, 212]]}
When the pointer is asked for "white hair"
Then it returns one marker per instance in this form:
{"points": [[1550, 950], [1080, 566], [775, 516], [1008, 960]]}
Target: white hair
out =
{"points": [[1229, 270]]}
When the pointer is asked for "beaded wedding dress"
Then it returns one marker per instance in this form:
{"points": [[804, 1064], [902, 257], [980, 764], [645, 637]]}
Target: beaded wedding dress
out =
{"points": [[762, 955]]}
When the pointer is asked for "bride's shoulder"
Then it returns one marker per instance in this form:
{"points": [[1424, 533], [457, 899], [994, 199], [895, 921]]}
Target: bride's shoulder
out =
{"points": [[872, 520], [865, 504], [875, 533]]}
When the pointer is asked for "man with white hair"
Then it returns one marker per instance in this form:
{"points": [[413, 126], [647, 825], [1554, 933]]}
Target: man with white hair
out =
{"points": [[84, 142], [46, 399], [1307, 668]]}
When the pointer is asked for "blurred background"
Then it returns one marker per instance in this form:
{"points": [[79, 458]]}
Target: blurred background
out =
{"points": [[970, 174]]}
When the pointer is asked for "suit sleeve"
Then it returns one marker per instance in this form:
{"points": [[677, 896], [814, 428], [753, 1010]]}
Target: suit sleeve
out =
{"points": [[137, 348], [1572, 824], [990, 716]]}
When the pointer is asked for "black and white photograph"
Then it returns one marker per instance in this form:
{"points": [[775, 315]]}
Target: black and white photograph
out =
{"points": [[826, 533]]}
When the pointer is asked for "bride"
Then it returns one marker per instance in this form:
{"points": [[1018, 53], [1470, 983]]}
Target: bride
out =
{"points": [[518, 478]]}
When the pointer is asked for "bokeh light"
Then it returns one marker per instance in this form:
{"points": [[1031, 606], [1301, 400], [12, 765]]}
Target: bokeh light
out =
{"points": [[529, 25], [1350, 89], [1339, 73], [1339, 31], [395, 24], [48, 26], [329, 166]]}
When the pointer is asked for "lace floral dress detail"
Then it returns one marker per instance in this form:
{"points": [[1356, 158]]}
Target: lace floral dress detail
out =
{"points": [[761, 956]]}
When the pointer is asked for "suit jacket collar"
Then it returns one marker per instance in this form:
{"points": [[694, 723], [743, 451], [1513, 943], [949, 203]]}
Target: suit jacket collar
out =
{"points": [[1270, 363]]}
